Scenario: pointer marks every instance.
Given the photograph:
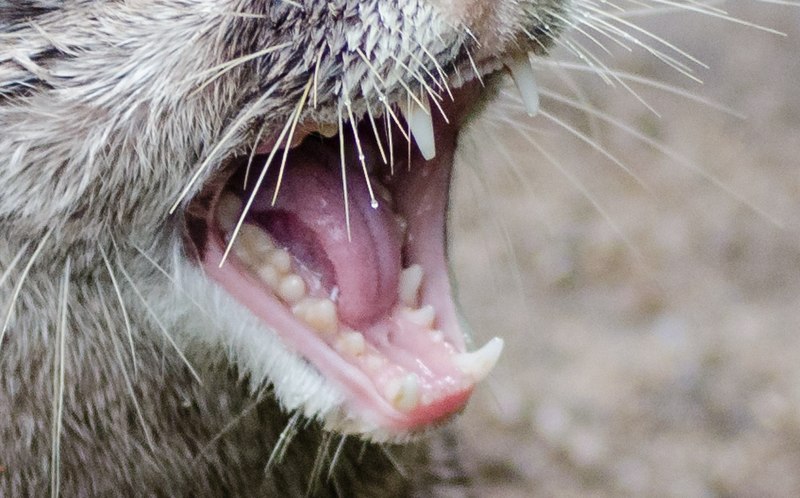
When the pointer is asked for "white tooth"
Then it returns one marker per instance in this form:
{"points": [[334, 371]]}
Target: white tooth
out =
{"points": [[292, 288], [352, 343], [478, 364], [423, 316], [404, 393], [409, 284], [522, 72], [437, 335], [374, 362], [229, 208], [252, 244], [269, 275], [420, 121], [281, 260], [318, 313]]}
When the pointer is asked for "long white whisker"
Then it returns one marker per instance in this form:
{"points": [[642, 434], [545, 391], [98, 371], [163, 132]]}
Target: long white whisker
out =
{"points": [[59, 360], [123, 309], [18, 288]]}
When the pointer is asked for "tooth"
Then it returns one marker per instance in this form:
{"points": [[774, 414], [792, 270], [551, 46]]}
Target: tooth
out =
{"points": [[352, 343], [269, 275], [292, 288], [478, 364], [318, 313], [423, 316], [420, 121], [229, 208], [252, 244], [409, 284], [281, 260], [404, 393], [328, 130], [522, 72]]}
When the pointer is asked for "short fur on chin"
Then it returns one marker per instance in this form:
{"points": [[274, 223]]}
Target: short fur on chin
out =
{"points": [[103, 126]]}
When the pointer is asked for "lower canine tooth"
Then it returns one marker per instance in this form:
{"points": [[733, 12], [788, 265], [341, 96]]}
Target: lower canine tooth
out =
{"points": [[478, 364], [409, 284], [420, 121], [229, 208], [522, 72], [318, 313], [405, 393]]}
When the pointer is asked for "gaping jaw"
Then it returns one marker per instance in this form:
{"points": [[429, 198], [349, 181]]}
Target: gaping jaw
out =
{"points": [[351, 276]]}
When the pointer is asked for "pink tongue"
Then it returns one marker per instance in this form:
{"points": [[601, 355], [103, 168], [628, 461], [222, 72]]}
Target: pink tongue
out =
{"points": [[309, 220]]}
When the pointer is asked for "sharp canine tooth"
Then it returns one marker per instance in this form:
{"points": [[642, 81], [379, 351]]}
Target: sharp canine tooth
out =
{"points": [[292, 288], [228, 210], [405, 393], [420, 121], [318, 313], [478, 364], [423, 316], [522, 72], [409, 284]]}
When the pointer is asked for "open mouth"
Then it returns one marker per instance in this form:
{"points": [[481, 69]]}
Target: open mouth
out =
{"points": [[338, 244]]}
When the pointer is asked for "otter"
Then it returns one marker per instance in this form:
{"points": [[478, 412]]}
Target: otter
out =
{"points": [[223, 242], [223, 266]]}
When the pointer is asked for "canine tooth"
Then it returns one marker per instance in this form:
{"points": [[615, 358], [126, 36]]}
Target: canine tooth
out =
{"points": [[328, 130], [292, 288], [281, 260], [404, 393], [229, 208], [423, 316], [479, 363], [351, 342], [318, 313], [409, 284], [420, 121], [252, 244], [522, 73], [269, 275]]}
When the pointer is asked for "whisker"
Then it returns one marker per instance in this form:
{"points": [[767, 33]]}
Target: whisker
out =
{"points": [[285, 438], [295, 119], [123, 309], [157, 320], [344, 177], [18, 288], [59, 360], [125, 377]]}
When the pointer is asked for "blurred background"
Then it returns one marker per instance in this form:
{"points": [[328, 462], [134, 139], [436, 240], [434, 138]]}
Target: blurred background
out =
{"points": [[652, 316]]}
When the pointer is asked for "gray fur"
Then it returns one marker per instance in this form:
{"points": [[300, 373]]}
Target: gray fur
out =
{"points": [[104, 121]]}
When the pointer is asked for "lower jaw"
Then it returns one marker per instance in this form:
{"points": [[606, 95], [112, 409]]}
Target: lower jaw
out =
{"points": [[445, 387]]}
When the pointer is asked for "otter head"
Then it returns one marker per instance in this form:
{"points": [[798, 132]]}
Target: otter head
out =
{"points": [[261, 184]]}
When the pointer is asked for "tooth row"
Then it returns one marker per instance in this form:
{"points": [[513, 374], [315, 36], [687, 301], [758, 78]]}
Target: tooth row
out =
{"points": [[319, 314]]}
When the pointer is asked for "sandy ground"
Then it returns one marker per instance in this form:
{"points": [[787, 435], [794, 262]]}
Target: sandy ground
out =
{"points": [[653, 343]]}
